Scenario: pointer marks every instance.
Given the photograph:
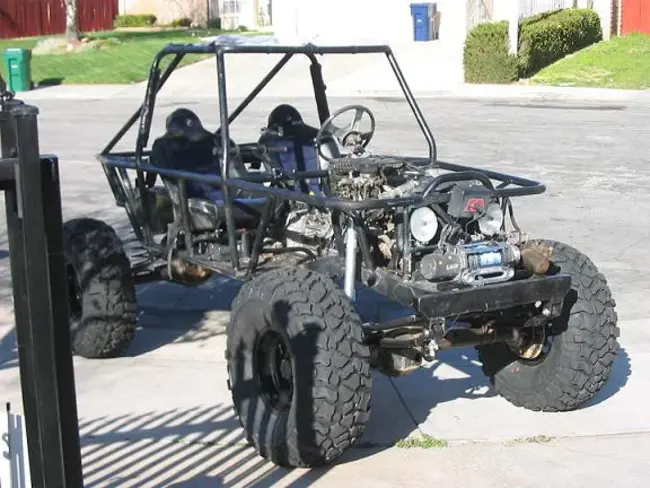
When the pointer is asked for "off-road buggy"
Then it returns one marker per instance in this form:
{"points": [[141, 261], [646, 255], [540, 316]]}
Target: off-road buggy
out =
{"points": [[304, 216]]}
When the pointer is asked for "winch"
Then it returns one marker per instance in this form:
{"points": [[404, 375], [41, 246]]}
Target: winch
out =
{"points": [[473, 264]]}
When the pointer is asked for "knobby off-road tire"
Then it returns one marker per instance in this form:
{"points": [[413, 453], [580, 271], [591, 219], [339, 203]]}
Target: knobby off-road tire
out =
{"points": [[330, 374], [102, 292], [580, 357]]}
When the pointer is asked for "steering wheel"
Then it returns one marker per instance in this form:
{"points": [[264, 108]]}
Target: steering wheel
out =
{"points": [[350, 137]]}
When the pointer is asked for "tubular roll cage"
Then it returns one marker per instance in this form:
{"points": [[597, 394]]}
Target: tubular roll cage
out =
{"points": [[116, 164]]}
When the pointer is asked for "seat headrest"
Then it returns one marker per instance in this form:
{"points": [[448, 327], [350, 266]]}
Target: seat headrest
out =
{"points": [[183, 123], [285, 117]]}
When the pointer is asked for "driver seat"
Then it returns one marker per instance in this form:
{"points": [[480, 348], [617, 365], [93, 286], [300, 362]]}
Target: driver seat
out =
{"points": [[187, 146], [292, 144]]}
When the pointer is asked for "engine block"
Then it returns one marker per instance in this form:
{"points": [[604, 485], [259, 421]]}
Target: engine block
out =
{"points": [[364, 178]]}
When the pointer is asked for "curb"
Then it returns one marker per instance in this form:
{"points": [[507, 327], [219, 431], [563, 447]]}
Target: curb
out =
{"points": [[457, 92], [520, 92]]}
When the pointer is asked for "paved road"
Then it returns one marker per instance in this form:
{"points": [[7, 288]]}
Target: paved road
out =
{"points": [[593, 159]]}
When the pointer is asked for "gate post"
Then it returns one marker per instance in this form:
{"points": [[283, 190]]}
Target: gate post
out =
{"points": [[34, 225]]}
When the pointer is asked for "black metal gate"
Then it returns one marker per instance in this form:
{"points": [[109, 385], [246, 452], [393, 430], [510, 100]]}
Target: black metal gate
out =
{"points": [[34, 227]]}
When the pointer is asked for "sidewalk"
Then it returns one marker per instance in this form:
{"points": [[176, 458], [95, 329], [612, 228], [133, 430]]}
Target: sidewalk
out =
{"points": [[168, 419]]}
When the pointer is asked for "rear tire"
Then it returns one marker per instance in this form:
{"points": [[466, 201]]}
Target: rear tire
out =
{"points": [[583, 347], [319, 405], [101, 291]]}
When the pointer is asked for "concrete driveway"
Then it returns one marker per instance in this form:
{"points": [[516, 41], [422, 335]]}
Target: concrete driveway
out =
{"points": [[161, 415]]}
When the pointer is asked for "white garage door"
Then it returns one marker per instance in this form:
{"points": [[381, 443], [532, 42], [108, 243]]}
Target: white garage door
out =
{"points": [[360, 20]]}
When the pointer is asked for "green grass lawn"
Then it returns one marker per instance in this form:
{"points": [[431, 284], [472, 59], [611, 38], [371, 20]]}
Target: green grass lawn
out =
{"points": [[124, 57], [623, 62]]}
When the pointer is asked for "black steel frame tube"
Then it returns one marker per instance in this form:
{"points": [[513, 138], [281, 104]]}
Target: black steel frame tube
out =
{"points": [[364, 245], [185, 217], [281, 193], [208, 48], [477, 337], [120, 163], [225, 159], [34, 222], [259, 87], [117, 178], [422, 122], [322, 105], [525, 187], [260, 235], [305, 49], [454, 177], [133, 119]]}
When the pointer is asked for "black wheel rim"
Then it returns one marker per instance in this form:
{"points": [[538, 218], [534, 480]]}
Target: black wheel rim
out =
{"points": [[273, 370], [74, 297]]}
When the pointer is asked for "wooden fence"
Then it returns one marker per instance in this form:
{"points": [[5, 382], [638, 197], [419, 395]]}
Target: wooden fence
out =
{"points": [[636, 16], [26, 18]]}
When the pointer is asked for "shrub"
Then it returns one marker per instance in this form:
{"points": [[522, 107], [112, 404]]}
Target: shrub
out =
{"points": [[140, 20], [543, 39], [182, 22], [486, 57], [546, 38]]}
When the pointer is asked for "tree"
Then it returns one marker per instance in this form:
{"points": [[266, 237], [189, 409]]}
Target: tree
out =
{"points": [[72, 20]]}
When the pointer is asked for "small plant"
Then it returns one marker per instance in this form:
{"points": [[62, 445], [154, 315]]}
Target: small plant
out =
{"points": [[536, 439], [104, 43], [182, 22], [139, 20], [242, 28], [424, 441]]}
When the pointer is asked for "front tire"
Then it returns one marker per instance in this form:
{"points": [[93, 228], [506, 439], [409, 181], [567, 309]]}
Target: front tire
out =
{"points": [[583, 348], [298, 369], [101, 291]]}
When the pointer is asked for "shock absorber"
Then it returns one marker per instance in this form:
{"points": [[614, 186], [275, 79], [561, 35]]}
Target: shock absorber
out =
{"points": [[350, 259]]}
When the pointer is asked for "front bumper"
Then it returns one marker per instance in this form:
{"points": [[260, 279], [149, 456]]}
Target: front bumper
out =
{"points": [[550, 290]]}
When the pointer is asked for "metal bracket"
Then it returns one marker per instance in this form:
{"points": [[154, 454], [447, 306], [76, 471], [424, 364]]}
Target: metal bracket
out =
{"points": [[5, 94]]}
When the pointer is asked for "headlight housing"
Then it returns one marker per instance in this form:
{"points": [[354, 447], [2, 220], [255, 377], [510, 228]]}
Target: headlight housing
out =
{"points": [[490, 223], [423, 224]]}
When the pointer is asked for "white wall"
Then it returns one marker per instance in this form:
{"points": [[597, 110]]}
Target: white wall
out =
{"points": [[604, 9], [378, 20]]}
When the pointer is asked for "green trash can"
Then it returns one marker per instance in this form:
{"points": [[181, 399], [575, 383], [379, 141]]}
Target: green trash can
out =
{"points": [[18, 63]]}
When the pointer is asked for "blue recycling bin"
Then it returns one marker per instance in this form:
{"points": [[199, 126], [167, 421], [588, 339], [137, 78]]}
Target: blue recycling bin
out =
{"points": [[423, 15]]}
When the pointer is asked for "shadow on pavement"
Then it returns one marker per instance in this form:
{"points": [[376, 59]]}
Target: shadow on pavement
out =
{"points": [[206, 443], [621, 372], [8, 351], [182, 314], [431, 390], [197, 447]]}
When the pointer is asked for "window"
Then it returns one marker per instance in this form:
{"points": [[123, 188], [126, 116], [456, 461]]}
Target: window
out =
{"points": [[230, 7]]}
